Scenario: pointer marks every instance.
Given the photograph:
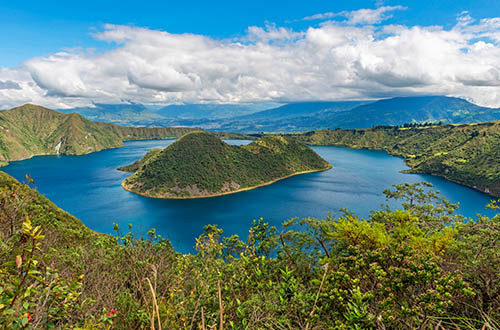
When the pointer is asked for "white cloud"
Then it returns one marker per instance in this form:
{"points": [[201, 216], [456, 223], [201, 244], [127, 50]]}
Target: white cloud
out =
{"points": [[322, 16], [271, 33], [336, 60], [360, 16], [9, 84]]}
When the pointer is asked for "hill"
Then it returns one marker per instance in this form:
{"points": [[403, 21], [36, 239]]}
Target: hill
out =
{"points": [[467, 154], [395, 111], [201, 165], [400, 110], [396, 269], [32, 130]]}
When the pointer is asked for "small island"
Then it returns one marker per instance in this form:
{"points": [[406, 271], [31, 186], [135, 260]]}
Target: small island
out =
{"points": [[200, 165]]}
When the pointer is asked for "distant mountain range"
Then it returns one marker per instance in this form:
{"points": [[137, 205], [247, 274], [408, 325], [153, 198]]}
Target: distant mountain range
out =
{"points": [[293, 110], [395, 111], [208, 111], [296, 117], [172, 115]]}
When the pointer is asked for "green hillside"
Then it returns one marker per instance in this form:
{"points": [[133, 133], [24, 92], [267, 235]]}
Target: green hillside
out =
{"points": [[32, 130], [419, 267], [136, 165], [201, 165], [19, 200], [467, 154]]}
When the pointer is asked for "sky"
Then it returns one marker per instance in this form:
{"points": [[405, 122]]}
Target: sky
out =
{"points": [[67, 54]]}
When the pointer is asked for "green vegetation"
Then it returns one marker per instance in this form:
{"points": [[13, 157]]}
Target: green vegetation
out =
{"points": [[201, 165], [420, 267], [136, 165], [233, 136], [467, 154], [31, 130]]}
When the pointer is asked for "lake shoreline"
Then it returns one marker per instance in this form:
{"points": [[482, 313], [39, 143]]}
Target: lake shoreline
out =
{"points": [[96, 197], [4, 163], [329, 167], [411, 170]]}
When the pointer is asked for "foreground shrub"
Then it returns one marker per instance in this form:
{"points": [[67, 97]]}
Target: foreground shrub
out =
{"points": [[419, 267]]}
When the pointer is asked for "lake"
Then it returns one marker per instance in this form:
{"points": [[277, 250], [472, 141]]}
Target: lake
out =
{"points": [[89, 187]]}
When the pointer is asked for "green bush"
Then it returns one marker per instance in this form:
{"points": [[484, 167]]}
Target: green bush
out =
{"points": [[417, 267]]}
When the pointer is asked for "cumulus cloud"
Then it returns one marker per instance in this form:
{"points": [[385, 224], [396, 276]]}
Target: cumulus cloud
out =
{"points": [[9, 84], [355, 58]]}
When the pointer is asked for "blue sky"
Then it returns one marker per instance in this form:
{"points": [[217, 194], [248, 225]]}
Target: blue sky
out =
{"points": [[35, 28], [63, 54]]}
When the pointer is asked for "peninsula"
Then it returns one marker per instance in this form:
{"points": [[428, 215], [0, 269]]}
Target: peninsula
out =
{"points": [[201, 165], [467, 154], [32, 130]]}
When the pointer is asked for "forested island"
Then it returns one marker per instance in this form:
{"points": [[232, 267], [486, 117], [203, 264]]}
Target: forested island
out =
{"points": [[200, 164]]}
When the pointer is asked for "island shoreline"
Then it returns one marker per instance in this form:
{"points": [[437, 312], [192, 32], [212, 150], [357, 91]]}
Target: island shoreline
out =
{"points": [[329, 167]]}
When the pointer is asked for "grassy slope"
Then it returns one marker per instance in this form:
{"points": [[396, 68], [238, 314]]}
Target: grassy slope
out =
{"points": [[32, 130], [68, 245], [467, 154], [387, 257], [61, 228], [200, 164]]}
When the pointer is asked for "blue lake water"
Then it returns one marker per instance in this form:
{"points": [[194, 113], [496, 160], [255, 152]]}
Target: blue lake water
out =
{"points": [[89, 187]]}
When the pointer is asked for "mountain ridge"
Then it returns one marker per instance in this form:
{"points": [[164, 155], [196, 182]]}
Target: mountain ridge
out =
{"points": [[297, 116], [467, 154], [32, 130], [393, 111]]}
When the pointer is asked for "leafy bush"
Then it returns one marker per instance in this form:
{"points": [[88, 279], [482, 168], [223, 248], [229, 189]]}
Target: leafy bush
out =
{"points": [[418, 267]]}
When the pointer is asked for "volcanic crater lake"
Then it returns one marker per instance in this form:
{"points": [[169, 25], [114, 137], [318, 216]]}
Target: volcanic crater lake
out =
{"points": [[89, 187]]}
